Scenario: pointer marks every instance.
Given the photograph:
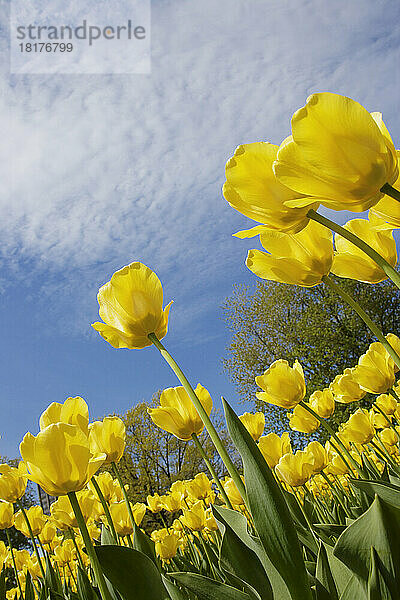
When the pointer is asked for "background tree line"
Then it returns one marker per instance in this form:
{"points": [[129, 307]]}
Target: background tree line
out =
{"points": [[313, 325]]}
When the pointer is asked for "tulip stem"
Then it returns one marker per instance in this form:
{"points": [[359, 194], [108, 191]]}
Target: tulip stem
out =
{"points": [[78, 554], [13, 561], [105, 508], [335, 437], [128, 504], [363, 315], [390, 191], [23, 511], [226, 459], [212, 470], [94, 561], [376, 257]]}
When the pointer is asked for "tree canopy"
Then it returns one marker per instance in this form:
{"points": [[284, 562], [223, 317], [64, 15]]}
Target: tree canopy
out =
{"points": [[312, 325]]}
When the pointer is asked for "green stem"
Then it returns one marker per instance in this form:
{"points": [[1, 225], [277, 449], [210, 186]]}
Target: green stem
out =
{"points": [[361, 313], [19, 504], [94, 561], [335, 437], [78, 554], [105, 508], [380, 261], [212, 470], [391, 191], [128, 504], [226, 459], [13, 560]]}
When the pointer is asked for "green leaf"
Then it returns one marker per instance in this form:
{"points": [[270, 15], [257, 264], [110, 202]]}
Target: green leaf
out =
{"points": [[379, 527], [131, 572], [107, 538], [325, 588], [3, 584], [173, 590], [269, 510], [52, 579], [353, 590], [145, 544], [377, 588], [388, 492], [242, 561], [85, 589], [209, 589], [238, 524]]}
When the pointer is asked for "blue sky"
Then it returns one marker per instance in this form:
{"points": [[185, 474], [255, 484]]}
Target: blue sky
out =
{"points": [[98, 171]]}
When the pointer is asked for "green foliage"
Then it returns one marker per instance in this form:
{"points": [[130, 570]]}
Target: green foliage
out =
{"points": [[312, 325]]}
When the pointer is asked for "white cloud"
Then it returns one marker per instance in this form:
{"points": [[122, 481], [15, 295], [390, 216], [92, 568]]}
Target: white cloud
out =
{"points": [[101, 170]]}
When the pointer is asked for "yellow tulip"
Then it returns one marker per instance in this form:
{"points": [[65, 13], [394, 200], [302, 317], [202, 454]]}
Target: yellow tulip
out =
{"points": [[199, 488], [345, 388], [6, 515], [232, 492], [338, 153], [375, 370], [180, 488], [36, 519], [59, 459], [318, 455], [167, 547], [74, 411], [337, 466], [195, 518], [252, 188], [172, 502], [389, 438], [64, 554], [108, 437], [353, 263], [177, 414], [295, 469], [106, 484], [359, 428], [211, 523], [62, 514], [21, 558], [379, 421], [254, 424], [273, 447], [33, 567], [322, 402], [121, 518], [386, 403], [48, 533], [301, 420], [131, 308], [154, 503], [13, 482], [282, 385], [301, 258]]}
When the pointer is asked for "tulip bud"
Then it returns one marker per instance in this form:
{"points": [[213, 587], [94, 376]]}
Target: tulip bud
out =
{"points": [[338, 153], [60, 476], [254, 424], [302, 258], [283, 385], [131, 308], [177, 414], [273, 447], [108, 437]]}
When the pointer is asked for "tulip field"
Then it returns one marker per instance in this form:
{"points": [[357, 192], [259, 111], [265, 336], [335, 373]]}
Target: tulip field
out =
{"points": [[321, 523]]}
